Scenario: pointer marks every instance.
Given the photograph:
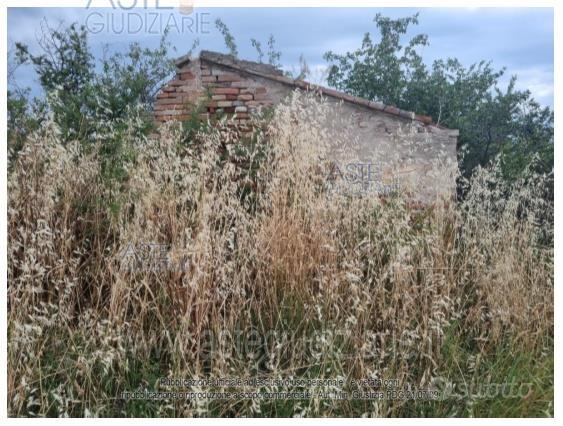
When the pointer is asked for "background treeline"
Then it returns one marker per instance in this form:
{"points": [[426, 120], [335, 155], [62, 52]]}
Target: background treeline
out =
{"points": [[81, 94], [456, 297]]}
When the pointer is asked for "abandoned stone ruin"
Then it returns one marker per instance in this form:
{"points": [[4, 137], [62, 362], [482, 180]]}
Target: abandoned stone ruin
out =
{"points": [[410, 148]]}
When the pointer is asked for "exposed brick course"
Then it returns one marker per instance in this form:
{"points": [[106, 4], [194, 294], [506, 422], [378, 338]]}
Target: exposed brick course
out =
{"points": [[217, 89], [226, 91], [221, 84]]}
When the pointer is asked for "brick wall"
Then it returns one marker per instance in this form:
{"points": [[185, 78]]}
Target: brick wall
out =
{"points": [[221, 85], [212, 91]]}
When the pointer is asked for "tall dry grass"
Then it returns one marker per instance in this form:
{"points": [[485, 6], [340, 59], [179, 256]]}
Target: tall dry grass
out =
{"points": [[268, 275]]}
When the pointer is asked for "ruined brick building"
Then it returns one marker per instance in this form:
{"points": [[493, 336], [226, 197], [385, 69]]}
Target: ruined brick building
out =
{"points": [[216, 83]]}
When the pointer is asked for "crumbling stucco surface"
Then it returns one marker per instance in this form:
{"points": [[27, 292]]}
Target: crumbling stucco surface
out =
{"points": [[399, 147]]}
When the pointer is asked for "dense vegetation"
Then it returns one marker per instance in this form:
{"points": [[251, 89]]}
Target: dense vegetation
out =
{"points": [[491, 121], [245, 264]]}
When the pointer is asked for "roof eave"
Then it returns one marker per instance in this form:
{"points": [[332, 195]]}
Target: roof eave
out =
{"points": [[215, 58], [182, 60]]}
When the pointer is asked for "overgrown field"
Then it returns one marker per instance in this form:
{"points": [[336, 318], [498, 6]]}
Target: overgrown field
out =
{"points": [[209, 256]]}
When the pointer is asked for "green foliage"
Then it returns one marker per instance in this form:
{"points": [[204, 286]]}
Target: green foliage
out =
{"points": [[66, 62], [228, 37], [194, 124], [78, 96], [113, 105], [505, 382], [274, 55], [258, 46], [491, 121], [133, 77], [311, 286], [24, 118], [379, 70], [65, 70]]}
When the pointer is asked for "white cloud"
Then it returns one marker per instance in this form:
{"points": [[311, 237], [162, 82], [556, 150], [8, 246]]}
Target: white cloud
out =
{"points": [[539, 81], [521, 40]]}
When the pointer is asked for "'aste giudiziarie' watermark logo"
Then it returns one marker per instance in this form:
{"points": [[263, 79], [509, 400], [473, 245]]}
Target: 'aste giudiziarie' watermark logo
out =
{"points": [[360, 178], [151, 257], [135, 17]]}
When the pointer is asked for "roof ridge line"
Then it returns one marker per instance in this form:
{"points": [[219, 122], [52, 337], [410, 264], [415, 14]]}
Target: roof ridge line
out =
{"points": [[305, 85]]}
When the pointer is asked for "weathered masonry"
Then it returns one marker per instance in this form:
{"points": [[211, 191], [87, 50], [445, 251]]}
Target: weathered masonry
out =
{"points": [[216, 83]]}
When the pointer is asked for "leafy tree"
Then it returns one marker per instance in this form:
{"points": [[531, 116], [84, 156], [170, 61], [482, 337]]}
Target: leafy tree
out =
{"points": [[133, 77], [107, 104], [65, 69], [79, 97], [65, 62], [379, 70], [491, 121], [24, 117]]}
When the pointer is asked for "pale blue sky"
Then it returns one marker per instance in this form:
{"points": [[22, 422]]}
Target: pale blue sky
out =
{"points": [[520, 39]]}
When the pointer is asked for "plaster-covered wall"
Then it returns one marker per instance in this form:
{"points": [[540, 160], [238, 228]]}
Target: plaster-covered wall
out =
{"points": [[401, 150]]}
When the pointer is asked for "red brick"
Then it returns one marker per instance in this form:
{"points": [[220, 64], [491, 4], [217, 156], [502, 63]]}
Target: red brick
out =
{"points": [[245, 97], [168, 112], [261, 97], [231, 97], [170, 101], [392, 110], [188, 75], [189, 88], [226, 91], [228, 77], [424, 118]]}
